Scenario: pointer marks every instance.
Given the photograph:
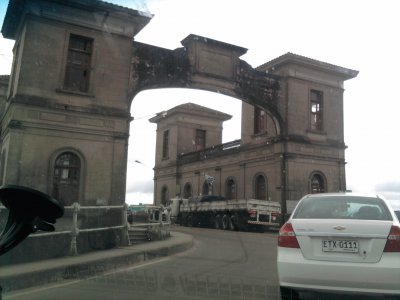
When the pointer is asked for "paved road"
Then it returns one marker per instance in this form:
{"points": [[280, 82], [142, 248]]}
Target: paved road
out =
{"points": [[221, 265]]}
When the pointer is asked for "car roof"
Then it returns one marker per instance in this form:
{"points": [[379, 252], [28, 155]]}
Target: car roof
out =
{"points": [[342, 194]]}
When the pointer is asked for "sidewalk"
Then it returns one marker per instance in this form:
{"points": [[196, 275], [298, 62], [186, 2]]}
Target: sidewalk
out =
{"points": [[27, 275]]}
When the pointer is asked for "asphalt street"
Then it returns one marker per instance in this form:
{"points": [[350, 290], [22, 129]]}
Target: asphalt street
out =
{"points": [[220, 265]]}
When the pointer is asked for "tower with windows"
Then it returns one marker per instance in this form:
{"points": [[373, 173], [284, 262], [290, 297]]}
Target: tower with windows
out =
{"points": [[65, 109], [64, 130], [183, 129]]}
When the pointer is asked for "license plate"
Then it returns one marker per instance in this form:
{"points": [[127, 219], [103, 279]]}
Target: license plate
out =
{"points": [[339, 246]]}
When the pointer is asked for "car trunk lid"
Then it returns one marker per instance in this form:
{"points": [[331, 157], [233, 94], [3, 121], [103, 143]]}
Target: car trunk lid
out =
{"points": [[342, 239]]}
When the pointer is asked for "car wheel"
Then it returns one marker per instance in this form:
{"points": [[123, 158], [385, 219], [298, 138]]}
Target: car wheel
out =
{"points": [[289, 294]]}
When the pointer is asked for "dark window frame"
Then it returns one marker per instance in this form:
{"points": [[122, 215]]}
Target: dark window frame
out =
{"points": [[230, 189], [316, 111], [200, 139], [260, 120], [187, 190], [67, 172], [78, 65], [206, 188], [164, 195], [317, 183], [260, 188], [165, 145]]}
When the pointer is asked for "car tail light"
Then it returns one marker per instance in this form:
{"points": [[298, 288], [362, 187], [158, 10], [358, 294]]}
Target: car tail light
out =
{"points": [[287, 237], [393, 240]]}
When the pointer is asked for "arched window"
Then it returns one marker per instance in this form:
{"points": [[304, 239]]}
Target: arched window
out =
{"points": [[230, 191], [260, 187], [260, 120], [164, 196], [187, 191], [206, 188], [317, 184], [66, 178]]}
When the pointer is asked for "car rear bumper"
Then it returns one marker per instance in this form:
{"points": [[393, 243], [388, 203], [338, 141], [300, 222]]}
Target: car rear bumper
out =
{"points": [[297, 272]]}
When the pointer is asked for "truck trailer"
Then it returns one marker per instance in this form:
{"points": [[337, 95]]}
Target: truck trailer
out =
{"points": [[219, 213]]}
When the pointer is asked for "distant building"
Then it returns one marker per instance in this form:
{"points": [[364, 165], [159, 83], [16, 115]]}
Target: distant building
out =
{"points": [[268, 162]]}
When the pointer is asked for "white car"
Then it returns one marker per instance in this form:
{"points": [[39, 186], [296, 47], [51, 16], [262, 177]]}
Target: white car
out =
{"points": [[340, 243]]}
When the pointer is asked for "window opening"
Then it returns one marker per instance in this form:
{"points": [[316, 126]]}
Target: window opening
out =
{"points": [[164, 196], [66, 178], [200, 140], [260, 120], [77, 72], [165, 149], [317, 184], [316, 110], [260, 188], [230, 189], [187, 191], [206, 188]]}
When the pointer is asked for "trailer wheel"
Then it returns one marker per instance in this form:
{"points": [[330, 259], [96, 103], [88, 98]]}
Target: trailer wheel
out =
{"points": [[189, 221], [217, 222], [231, 223], [225, 222]]}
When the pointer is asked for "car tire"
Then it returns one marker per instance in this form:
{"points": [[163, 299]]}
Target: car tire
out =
{"points": [[231, 224], [289, 294]]}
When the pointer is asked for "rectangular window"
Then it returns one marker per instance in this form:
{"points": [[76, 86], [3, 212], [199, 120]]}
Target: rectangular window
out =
{"points": [[260, 120], [77, 71], [200, 141], [165, 149], [316, 110]]}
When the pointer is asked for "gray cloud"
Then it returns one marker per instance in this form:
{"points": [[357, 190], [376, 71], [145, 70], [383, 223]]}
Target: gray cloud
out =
{"points": [[146, 187], [388, 187]]}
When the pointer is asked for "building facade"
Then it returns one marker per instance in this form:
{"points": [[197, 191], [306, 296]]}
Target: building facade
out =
{"points": [[65, 114], [268, 162]]}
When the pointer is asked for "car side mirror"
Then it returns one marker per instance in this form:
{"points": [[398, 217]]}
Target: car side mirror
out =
{"points": [[29, 211]]}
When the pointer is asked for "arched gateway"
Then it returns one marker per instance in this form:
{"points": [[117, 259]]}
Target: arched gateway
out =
{"points": [[76, 70]]}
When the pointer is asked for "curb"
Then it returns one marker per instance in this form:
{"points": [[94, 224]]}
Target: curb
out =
{"points": [[22, 276]]}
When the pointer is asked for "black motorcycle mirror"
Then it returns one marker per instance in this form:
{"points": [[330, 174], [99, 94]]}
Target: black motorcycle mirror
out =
{"points": [[29, 211]]}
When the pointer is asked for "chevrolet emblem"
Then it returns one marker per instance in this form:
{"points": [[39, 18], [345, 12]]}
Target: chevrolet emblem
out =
{"points": [[339, 227]]}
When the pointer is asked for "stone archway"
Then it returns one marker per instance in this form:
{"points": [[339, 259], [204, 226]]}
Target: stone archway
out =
{"points": [[205, 64]]}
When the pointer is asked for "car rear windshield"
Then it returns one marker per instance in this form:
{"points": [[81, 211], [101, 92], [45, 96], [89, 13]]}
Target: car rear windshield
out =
{"points": [[342, 207]]}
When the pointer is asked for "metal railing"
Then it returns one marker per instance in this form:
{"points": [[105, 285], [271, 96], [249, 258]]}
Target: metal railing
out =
{"points": [[158, 227], [211, 152]]}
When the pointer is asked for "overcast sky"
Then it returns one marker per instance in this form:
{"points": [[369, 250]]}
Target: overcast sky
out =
{"points": [[360, 35]]}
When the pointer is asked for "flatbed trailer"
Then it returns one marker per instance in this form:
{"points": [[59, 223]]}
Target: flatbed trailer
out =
{"points": [[235, 214]]}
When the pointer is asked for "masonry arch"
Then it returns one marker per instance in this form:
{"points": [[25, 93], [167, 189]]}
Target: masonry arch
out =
{"points": [[66, 176], [317, 183], [231, 188], [205, 64], [187, 190], [260, 186]]}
